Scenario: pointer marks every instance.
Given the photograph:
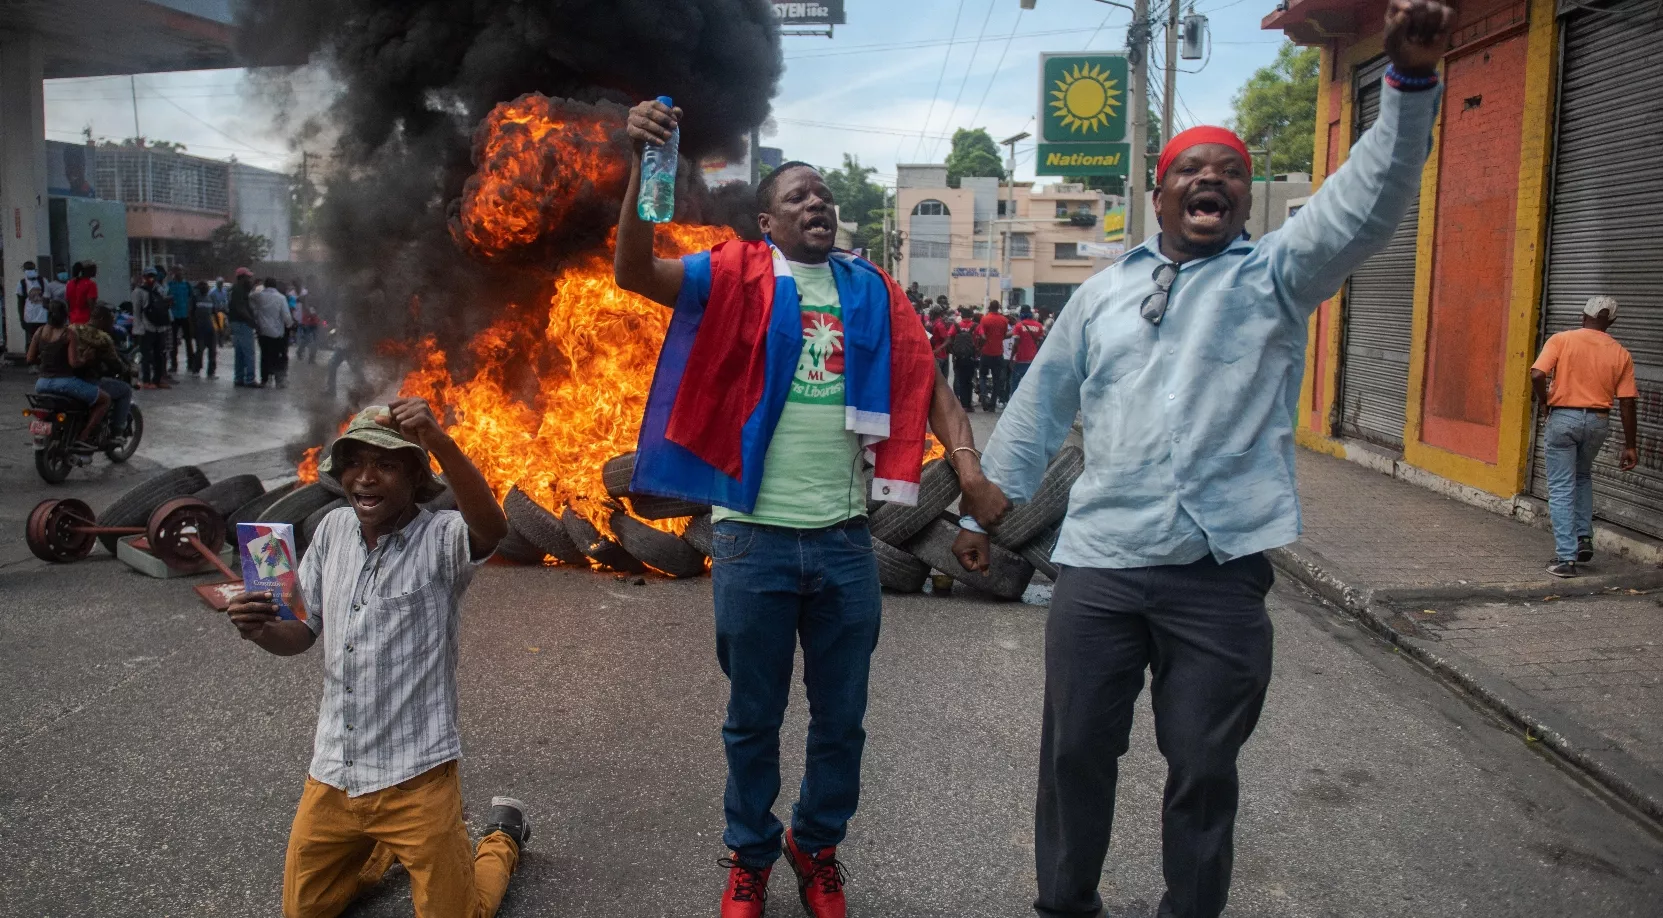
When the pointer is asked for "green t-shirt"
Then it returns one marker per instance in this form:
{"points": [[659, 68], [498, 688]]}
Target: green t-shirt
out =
{"points": [[811, 476]]}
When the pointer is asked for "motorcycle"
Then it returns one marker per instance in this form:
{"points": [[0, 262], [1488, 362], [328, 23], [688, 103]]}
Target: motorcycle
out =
{"points": [[55, 420]]}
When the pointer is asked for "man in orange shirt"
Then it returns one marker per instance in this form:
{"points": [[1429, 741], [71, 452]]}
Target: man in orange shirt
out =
{"points": [[1589, 369]]}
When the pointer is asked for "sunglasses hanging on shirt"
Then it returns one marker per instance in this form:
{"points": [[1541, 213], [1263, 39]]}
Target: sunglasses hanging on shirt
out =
{"points": [[1154, 305]]}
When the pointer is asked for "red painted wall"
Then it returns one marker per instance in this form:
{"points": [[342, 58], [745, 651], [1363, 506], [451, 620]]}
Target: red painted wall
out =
{"points": [[1472, 262]]}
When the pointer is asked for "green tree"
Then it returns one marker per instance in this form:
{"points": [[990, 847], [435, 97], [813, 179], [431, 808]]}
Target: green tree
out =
{"points": [[859, 200], [230, 248], [1277, 106], [974, 155], [304, 196]]}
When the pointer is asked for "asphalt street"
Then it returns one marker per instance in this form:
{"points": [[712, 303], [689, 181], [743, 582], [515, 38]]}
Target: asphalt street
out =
{"points": [[152, 761]]}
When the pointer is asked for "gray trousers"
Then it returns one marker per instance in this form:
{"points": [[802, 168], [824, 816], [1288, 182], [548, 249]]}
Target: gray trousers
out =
{"points": [[1202, 631]]}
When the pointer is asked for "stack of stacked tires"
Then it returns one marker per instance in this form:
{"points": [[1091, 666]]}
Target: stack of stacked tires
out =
{"points": [[633, 547], [909, 542]]}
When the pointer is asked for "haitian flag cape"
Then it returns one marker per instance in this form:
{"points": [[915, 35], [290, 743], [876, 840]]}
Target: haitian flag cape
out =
{"points": [[726, 368]]}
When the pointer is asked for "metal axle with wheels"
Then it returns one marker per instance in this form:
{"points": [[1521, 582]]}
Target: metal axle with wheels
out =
{"points": [[181, 532]]}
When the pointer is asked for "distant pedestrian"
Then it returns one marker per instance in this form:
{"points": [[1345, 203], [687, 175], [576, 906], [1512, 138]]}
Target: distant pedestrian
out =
{"points": [[181, 300], [152, 322], [1588, 369], [991, 332], [219, 299], [240, 312], [273, 321], [81, 292], [1027, 335], [961, 347], [31, 302], [311, 325], [380, 590], [202, 331]]}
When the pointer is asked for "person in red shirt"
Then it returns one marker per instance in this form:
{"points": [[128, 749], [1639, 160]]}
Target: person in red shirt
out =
{"points": [[81, 292], [1028, 334], [940, 329], [991, 333]]}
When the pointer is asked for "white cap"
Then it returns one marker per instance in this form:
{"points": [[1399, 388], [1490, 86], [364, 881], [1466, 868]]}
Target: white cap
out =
{"points": [[1599, 304]]}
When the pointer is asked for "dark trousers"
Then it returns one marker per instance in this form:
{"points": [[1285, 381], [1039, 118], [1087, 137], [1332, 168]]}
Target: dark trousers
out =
{"points": [[992, 375], [183, 332], [964, 380], [773, 588], [207, 343], [153, 356], [274, 358], [1202, 631]]}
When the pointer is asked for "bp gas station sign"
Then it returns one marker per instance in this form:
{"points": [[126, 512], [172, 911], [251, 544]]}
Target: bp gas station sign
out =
{"points": [[1082, 114]]}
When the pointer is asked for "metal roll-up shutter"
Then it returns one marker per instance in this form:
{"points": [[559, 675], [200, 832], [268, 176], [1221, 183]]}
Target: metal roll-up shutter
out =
{"points": [[1379, 312], [1605, 236]]}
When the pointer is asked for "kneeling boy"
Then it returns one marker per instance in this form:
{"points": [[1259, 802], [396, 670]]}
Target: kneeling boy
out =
{"points": [[382, 583]]}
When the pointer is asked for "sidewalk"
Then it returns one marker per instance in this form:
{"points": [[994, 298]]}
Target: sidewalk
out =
{"points": [[1575, 664]]}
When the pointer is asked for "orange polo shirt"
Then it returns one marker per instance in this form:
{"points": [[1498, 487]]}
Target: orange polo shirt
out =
{"points": [[1589, 369]]}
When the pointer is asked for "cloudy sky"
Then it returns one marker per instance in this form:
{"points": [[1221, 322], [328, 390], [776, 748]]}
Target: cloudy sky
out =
{"points": [[890, 87]]}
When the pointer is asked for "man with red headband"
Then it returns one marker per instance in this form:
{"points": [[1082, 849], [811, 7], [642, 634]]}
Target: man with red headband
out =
{"points": [[1184, 359]]}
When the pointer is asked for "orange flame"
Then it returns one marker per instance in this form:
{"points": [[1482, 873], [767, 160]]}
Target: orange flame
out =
{"points": [[307, 470]]}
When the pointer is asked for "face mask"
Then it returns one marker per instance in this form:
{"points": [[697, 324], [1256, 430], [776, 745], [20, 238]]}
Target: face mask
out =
{"points": [[31, 274]]}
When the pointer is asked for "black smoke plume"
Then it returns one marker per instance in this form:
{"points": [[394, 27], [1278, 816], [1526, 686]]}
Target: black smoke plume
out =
{"points": [[418, 76]]}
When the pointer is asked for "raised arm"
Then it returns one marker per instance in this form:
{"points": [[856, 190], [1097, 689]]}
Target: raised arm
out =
{"points": [[474, 497], [1353, 215], [634, 266]]}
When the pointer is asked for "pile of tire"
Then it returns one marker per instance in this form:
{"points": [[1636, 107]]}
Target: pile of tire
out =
{"points": [[910, 542], [536, 533]]}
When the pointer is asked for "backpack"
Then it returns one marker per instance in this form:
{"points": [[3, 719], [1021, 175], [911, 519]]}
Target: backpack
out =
{"points": [[156, 312], [962, 344]]}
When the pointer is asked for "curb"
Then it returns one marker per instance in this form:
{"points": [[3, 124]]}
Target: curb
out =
{"points": [[1602, 761]]}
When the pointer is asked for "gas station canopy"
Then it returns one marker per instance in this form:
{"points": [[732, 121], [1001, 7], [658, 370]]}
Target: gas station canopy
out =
{"points": [[82, 38]]}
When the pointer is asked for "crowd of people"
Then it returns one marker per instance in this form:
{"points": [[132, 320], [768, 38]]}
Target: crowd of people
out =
{"points": [[260, 318], [984, 352]]}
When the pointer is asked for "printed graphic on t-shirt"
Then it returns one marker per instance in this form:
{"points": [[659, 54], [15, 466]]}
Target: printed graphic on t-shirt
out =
{"points": [[819, 379]]}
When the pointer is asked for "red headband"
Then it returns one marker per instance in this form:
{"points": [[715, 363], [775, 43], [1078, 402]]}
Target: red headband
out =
{"points": [[1194, 137]]}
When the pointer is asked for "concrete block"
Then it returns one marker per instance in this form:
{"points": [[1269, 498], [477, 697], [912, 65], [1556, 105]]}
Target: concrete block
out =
{"points": [[134, 551]]}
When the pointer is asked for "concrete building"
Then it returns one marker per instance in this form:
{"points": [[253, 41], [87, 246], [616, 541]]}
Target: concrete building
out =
{"points": [[1420, 365], [79, 38], [954, 238]]}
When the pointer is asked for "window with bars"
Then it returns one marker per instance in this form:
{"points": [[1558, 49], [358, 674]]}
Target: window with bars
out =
{"points": [[1068, 251], [930, 208], [928, 248], [1022, 245], [148, 177]]}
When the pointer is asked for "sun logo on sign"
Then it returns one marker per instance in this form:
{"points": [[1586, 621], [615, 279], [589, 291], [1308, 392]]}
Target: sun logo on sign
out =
{"points": [[1085, 98]]}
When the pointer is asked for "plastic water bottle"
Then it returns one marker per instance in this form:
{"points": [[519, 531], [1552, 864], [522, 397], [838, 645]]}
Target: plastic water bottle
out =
{"points": [[657, 203]]}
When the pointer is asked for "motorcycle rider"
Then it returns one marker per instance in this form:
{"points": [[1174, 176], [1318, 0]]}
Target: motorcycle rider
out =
{"points": [[105, 367], [58, 352]]}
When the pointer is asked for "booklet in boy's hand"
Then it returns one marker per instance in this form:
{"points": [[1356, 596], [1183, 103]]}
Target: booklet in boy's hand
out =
{"points": [[270, 562]]}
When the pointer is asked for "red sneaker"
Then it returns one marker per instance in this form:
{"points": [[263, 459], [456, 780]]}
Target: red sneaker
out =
{"points": [[819, 879], [747, 891]]}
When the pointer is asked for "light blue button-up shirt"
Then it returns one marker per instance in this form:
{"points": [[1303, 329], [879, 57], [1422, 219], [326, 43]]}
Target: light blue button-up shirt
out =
{"points": [[1189, 424]]}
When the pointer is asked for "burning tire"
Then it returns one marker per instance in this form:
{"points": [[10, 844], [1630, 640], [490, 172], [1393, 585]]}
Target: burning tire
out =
{"points": [[699, 534], [1049, 504], [227, 494], [294, 507], [664, 508], [254, 509], [133, 509], [517, 549], [602, 549], [616, 474], [1006, 578], [1038, 553], [898, 570], [309, 527], [659, 550], [937, 488], [541, 528]]}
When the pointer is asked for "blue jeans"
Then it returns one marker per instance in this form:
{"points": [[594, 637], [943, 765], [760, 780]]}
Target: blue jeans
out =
{"points": [[773, 587], [1018, 370], [1573, 438], [242, 340], [121, 403]]}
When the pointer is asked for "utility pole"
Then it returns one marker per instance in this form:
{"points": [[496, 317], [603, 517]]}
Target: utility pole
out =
{"points": [[133, 87], [1137, 100], [1171, 71], [1010, 211]]}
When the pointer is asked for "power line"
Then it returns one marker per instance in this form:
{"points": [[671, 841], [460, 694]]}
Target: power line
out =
{"points": [[968, 67], [850, 50], [994, 77], [919, 147]]}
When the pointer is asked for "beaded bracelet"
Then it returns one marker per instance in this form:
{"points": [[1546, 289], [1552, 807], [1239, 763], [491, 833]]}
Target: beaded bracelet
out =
{"points": [[1405, 83]]}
